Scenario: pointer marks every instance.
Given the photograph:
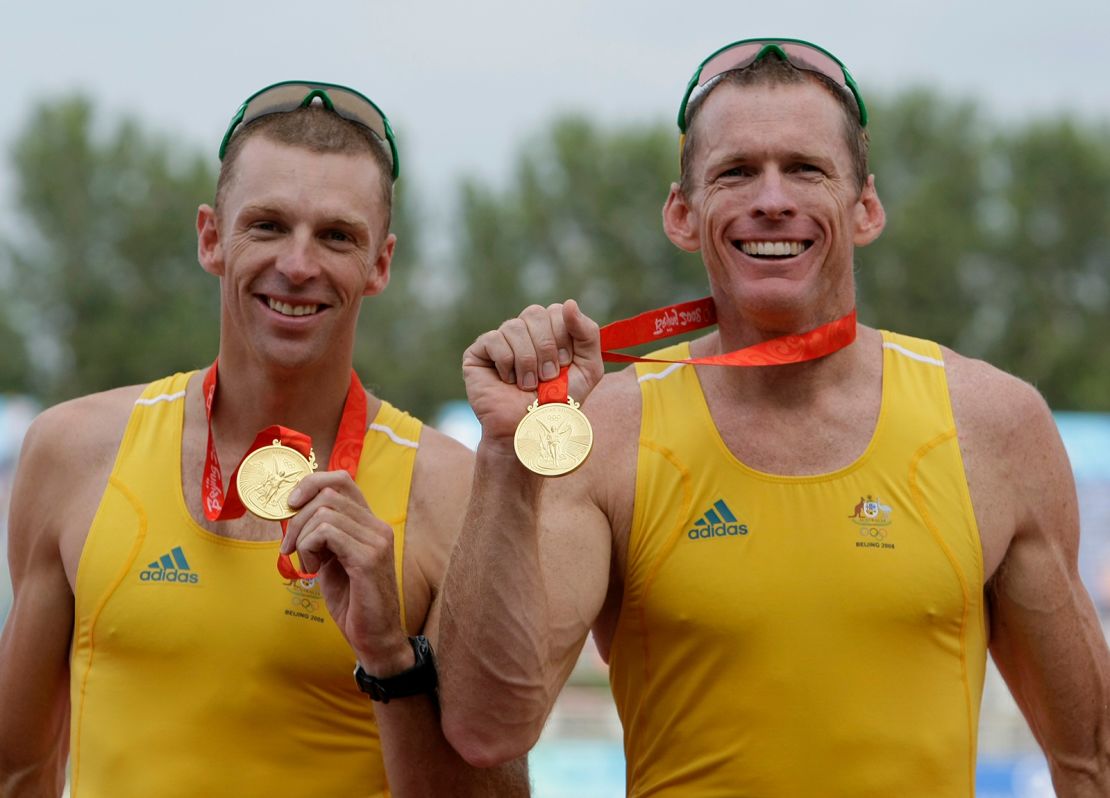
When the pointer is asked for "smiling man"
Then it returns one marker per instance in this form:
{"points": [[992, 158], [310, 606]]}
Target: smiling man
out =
{"points": [[795, 563], [162, 637]]}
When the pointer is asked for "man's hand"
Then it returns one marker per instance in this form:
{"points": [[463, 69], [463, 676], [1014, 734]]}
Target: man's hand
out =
{"points": [[503, 367], [336, 535]]}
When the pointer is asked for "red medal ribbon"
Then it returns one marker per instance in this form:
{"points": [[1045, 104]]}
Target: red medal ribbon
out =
{"points": [[665, 322], [661, 323], [344, 455], [553, 390]]}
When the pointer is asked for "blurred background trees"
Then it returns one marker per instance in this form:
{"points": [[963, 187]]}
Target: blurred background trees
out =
{"points": [[997, 244]]}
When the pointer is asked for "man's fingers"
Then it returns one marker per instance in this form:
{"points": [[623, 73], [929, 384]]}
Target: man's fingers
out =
{"points": [[535, 342], [533, 347], [563, 341], [325, 532], [322, 493], [583, 330], [492, 348], [586, 336], [525, 361]]}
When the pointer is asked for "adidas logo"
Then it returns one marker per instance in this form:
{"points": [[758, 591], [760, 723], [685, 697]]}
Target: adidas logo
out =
{"points": [[717, 522], [172, 567]]}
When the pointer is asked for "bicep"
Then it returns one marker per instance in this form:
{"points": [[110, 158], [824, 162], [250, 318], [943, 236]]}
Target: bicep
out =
{"points": [[1046, 637], [575, 550], [34, 647]]}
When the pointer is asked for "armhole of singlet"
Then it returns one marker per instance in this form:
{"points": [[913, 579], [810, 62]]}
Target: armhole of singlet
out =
{"points": [[135, 419], [650, 378], [403, 431]]}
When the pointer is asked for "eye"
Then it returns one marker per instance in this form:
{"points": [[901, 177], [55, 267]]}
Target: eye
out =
{"points": [[338, 236], [806, 168], [737, 171], [265, 226]]}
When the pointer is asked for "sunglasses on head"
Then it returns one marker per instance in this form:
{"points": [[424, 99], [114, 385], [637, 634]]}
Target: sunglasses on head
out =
{"points": [[796, 52], [290, 95]]}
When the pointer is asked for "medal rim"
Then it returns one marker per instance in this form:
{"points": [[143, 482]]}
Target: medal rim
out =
{"points": [[239, 480], [536, 408]]}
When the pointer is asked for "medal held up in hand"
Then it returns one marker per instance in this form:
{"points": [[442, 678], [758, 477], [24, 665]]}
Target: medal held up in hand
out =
{"points": [[554, 438], [268, 475]]}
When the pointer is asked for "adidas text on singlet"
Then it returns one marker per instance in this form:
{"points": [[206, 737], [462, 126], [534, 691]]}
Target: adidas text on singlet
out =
{"points": [[802, 636], [195, 668]]}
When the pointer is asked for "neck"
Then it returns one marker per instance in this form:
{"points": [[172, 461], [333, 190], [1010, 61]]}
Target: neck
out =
{"points": [[780, 383], [248, 399]]}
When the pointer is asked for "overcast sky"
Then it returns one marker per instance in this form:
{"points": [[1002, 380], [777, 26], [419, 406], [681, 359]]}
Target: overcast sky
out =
{"points": [[466, 82]]}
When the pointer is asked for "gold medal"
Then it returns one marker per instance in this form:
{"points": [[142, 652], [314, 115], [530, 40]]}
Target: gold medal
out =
{"points": [[553, 438], [268, 475]]}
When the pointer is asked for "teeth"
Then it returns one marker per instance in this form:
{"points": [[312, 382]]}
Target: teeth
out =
{"points": [[773, 248], [285, 309]]}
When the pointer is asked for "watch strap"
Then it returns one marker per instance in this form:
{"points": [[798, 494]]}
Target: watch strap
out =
{"points": [[421, 678]]}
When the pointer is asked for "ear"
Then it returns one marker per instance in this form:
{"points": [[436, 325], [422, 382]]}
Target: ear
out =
{"points": [[209, 250], [378, 277], [679, 221], [870, 218]]}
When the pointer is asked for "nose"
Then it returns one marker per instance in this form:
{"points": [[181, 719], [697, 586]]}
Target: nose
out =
{"points": [[297, 262], [773, 199]]}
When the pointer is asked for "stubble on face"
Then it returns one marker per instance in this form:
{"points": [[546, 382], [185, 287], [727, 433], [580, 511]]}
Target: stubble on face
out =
{"points": [[773, 200], [300, 235]]}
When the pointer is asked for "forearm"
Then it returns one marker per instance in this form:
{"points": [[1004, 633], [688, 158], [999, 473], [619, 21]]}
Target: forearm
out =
{"points": [[33, 737], [43, 779], [420, 762], [493, 646]]}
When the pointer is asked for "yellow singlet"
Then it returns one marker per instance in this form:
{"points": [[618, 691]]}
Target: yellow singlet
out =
{"points": [[802, 637], [195, 668]]}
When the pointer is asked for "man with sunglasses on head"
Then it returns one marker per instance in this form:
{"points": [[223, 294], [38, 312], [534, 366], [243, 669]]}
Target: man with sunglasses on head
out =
{"points": [[796, 538], [164, 638]]}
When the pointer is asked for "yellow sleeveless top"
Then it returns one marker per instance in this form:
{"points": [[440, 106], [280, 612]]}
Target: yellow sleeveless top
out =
{"points": [[195, 668], [793, 637]]}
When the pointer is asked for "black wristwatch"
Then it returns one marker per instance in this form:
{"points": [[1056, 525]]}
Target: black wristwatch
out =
{"points": [[419, 679]]}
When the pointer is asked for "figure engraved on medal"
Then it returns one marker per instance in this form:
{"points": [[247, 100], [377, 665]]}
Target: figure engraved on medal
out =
{"points": [[268, 475], [554, 438]]}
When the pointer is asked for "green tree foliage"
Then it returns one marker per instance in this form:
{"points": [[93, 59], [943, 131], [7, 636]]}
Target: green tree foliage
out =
{"points": [[105, 253], [13, 358], [399, 353], [579, 218], [997, 242]]}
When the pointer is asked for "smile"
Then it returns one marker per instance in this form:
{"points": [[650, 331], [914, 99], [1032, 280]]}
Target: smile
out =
{"points": [[285, 309], [773, 249]]}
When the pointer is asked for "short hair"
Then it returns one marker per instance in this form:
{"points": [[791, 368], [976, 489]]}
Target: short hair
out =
{"points": [[774, 71], [316, 129]]}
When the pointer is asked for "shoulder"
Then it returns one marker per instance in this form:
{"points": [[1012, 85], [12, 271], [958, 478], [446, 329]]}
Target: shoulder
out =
{"points": [[995, 409], [615, 402], [1016, 468], [64, 464], [442, 470], [438, 498], [607, 480], [613, 409], [86, 429]]}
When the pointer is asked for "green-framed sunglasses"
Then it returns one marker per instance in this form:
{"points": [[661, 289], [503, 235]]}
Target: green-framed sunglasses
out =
{"points": [[801, 54], [290, 95]]}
